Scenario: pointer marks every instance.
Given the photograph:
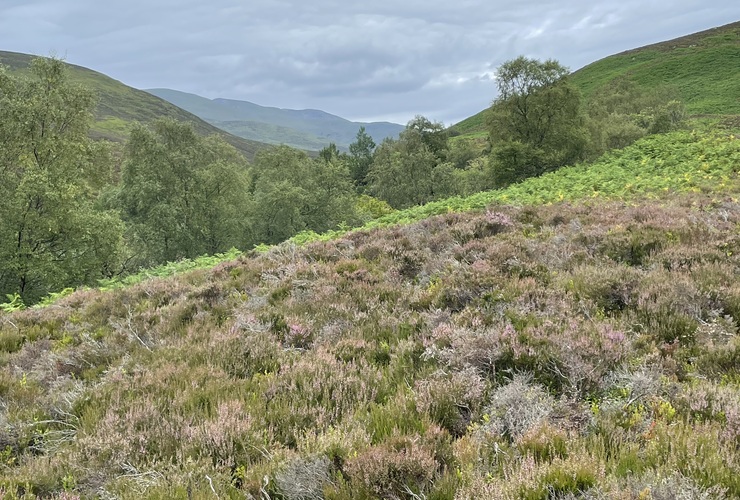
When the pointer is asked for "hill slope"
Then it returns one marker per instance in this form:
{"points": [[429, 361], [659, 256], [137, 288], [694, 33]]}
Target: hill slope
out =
{"points": [[704, 67], [504, 354], [307, 129], [120, 105]]}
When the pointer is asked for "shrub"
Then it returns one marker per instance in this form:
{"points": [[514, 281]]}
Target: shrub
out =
{"points": [[303, 479], [394, 468], [451, 400], [516, 408]]}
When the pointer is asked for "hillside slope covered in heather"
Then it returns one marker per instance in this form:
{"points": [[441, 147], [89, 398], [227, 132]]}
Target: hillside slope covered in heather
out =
{"points": [[571, 350]]}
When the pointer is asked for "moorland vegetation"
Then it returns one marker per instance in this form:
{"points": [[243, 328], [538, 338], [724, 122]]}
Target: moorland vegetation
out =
{"points": [[550, 315]]}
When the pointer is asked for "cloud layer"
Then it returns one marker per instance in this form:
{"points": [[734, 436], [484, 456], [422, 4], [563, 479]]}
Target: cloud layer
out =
{"points": [[380, 60]]}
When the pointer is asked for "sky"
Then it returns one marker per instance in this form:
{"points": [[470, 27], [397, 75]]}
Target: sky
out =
{"points": [[365, 61]]}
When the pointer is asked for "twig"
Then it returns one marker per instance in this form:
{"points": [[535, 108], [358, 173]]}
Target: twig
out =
{"points": [[210, 481]]}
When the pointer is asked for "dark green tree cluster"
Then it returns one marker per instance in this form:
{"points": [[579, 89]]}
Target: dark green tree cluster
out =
{"points": [[52, 235], [540, 122], [536, 124], [181, 195]]}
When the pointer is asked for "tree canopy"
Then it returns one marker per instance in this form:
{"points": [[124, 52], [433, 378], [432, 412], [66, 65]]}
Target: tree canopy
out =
{"points": [[51, 234], [536, 124], [182, 195]]}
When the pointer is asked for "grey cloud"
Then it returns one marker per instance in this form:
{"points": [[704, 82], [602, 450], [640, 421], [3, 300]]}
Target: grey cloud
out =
{"points": [[362, 60]]}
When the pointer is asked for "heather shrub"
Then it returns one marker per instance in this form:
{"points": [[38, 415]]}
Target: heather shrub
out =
{"points": [[452, 401], [516, 408], [561, 481], [611, 289], [303, 479], [672, 487], [397, 416], [399, 467], [635, 245], [544, 442], [721, 361], [317, 391]]}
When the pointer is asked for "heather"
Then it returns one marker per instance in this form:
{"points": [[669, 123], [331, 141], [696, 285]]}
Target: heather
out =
{"points": [[570, 350]]}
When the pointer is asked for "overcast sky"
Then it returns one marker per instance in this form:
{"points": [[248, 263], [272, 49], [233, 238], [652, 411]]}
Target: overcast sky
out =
{"points": [[368, 60]]}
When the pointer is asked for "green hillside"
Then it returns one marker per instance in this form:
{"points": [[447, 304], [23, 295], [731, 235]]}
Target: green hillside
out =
{"points": [[120, 105], [586, 347], [306, 129], [704, 67]]}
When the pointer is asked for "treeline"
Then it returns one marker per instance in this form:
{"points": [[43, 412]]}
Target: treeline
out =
{"points": [[73, 211]]}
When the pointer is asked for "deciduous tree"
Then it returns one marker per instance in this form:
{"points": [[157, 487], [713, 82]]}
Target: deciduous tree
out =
{"points": [[182, 195], [536, 124], [361, 158], [51, 234]]}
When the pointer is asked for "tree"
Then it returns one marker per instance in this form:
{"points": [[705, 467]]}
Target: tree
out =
{"points": [[181, 194], [404, 172], [293, 192], [621, 112], [51, 234], [536, 124], [433, 134], [361, 158]]}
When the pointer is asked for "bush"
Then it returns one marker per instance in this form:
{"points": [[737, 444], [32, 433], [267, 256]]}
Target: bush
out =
{"points": [[394, 468], [516, 408]]}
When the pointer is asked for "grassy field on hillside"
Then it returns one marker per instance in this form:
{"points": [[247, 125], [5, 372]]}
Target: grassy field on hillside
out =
{"points": [[703, 67]]}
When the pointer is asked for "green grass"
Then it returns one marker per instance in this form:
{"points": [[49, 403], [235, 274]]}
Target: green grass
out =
{"points": [[703, 67], [120, 105]]}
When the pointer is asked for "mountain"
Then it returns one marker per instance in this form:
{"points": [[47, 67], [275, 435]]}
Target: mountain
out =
{"points": [[121, 105], [704, 67], [307, 129]]}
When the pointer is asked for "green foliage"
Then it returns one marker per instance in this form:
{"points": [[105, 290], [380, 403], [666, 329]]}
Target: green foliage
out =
{"points": [[622, 112], [536, 124], [182, 195], [433, 134], [406, 172], [51, 234], [14, 303], [700, 67], [293, 193], [361, 158], [165, 270]]}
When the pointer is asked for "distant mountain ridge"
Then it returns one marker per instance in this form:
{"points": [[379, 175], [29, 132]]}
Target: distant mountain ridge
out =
{"points": [[306, 128], [120, 106]]}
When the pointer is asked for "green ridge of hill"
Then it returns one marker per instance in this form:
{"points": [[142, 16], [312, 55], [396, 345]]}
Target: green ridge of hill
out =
{"points": [[120, 105], [704, 67]]}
